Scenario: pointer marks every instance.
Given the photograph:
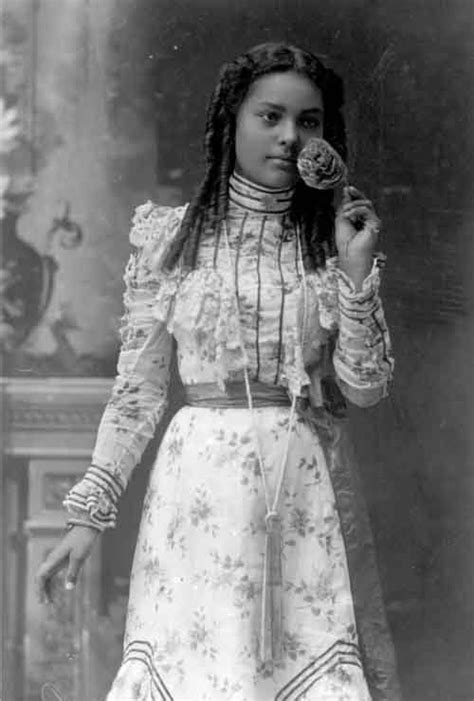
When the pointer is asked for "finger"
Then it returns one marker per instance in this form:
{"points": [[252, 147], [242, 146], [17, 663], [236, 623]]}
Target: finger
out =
{"points": [[348, 210], [48, 591], [74, 566], [51, 566], [358, 212], [42, 595], [355, 193], [44, 588], [346, 197], [350, 194], [364, 219], [357, 203], [44, 583], [360, 207]]}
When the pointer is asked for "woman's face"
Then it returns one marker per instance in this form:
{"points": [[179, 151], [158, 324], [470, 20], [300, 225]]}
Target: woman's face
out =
{"points": [[280, 112]]}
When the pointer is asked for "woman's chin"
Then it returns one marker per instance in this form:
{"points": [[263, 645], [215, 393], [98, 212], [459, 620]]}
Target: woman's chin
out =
{"points": [[279, 179], [281, 173], [277, 175]]}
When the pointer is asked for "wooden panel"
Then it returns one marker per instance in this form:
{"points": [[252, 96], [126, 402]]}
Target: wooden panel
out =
{"points": [[51, 425], [13, 566]]}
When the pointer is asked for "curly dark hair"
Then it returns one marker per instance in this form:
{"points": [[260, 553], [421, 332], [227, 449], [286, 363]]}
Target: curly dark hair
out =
{"points": [[311, 209]]}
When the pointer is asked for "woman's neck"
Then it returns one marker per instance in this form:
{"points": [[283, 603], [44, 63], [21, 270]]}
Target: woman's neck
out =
{"points": [[247, 195]]}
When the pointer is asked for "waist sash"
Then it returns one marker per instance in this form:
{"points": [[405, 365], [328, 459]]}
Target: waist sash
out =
{"points": [[209, 394]]}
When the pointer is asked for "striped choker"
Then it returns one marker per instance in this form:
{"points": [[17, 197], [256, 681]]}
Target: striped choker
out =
{"points": [[244, 194]]}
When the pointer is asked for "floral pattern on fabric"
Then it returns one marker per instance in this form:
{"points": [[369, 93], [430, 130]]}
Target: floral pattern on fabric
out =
{"points": [[139, 394], [286, 318], [155, 226], [205, 303], [193, 619], [324, 284], [363, 357]]}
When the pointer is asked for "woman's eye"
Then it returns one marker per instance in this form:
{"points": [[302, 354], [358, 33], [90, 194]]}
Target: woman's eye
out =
{"points": [[311, 123], [270, 117]]}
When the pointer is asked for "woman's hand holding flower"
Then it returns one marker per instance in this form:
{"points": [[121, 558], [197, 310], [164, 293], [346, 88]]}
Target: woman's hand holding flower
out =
{"points": [[357, 229]]}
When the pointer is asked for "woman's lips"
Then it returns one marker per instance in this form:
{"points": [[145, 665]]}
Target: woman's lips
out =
{"points": [[284, 163]]}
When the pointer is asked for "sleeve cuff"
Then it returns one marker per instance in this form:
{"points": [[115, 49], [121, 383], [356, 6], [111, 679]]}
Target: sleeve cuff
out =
{"points": [[364, 397], [370, 285], [82, 519], [94, 499]]}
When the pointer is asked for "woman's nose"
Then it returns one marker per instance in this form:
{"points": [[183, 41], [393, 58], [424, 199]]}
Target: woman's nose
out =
{"points": [[288, 133]]}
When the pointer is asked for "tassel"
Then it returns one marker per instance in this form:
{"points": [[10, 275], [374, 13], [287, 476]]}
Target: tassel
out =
{"points": [[271, 634]]}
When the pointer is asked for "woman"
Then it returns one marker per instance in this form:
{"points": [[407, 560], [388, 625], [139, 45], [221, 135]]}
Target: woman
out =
{"points": [[253, 576]]}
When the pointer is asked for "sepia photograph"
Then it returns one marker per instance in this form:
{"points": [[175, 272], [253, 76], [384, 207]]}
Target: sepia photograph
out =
{"points": [[237, 342]]}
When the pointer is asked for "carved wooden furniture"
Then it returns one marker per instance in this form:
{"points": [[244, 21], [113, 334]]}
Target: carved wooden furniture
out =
{"points": [[49, 427]]}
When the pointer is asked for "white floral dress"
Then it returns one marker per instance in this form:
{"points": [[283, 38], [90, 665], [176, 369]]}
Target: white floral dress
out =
{"points": [[193, 621]]}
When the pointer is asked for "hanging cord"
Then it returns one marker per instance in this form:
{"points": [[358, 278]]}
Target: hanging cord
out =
{"points": [[271, 648], [270, 506], [305, 286]]}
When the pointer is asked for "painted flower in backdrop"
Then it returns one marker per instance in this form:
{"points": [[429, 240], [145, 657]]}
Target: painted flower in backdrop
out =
{"points": [[9, 127], [15, 187], [9, 134]]}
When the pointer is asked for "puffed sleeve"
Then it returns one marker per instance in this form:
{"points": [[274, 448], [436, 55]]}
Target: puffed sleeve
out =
{"points": [[140, 391], [362, 358]]}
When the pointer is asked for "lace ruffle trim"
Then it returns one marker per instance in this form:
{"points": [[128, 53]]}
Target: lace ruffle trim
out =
{"points": [[95, 501], [154, 227], [205, 302]]}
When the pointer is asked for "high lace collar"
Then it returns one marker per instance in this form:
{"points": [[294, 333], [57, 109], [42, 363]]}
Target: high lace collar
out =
{"points": [[246, 195]]}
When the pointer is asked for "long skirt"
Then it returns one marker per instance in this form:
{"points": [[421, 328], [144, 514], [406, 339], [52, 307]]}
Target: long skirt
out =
{"points": [[194, 614]]}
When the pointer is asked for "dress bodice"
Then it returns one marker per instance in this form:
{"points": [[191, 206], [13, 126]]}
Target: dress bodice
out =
{"points": [[290, 327], [277, 330], [256, 262]]}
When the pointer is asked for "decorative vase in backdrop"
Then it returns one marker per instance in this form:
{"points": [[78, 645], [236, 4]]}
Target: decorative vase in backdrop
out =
{"points": [[26, 284]]}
